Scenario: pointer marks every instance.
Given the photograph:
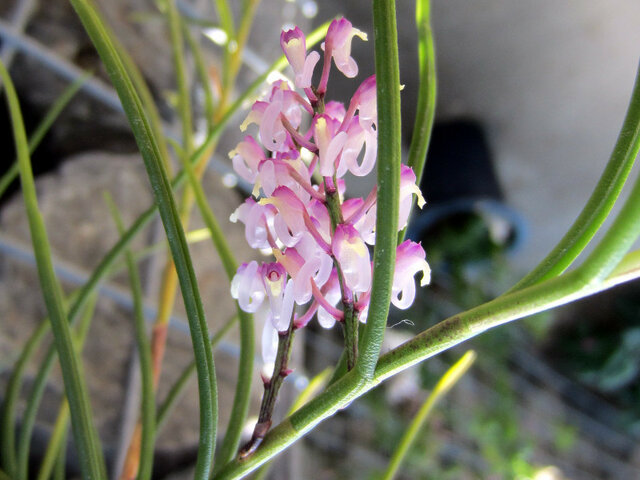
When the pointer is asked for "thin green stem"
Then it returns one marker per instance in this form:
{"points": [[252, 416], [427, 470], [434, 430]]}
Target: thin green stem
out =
{"points": [[201, 71], [600, 202], [312, 389], [427, 92], [223, 9], [178, 387], [148, 405], [91, 460], [184, 97], [384, 254], [43, 127], [60, 469], [446, 383], [242, 396], [58, 436], [168, 212], [35, 399], [8, 417], [234, 49]]}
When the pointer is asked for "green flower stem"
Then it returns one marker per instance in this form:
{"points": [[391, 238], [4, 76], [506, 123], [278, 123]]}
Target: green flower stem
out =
{"points": [[271, 390], [223, 9], [448, 380], [384, 254], [91, 460], [427, 92], [175, 234], [43, 127], [178, 387], [148, 407], [601, 201], [61, 427]]}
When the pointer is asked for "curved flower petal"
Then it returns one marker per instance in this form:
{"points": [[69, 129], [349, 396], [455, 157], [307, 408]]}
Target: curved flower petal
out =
{"points": [[410, 259], [338, 45], [353, 256], [408, 188], [247, 287]]}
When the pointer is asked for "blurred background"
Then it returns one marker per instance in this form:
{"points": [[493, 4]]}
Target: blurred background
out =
{"points": [[531, 96]]}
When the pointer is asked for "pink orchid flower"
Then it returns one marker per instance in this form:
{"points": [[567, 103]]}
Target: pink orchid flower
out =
{"points": [[337, 45], [294, 46]]}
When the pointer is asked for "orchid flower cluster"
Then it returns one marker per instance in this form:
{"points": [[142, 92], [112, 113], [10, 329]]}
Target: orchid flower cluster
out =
{"points": [[320, 241]]}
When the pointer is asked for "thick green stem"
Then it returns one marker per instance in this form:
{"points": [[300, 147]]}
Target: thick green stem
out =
{"points": [[384, 255]]}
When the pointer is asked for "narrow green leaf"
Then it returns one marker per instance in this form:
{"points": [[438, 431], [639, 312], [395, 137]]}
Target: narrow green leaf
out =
{"points": [[242, 396], [91, 460], [8, 417], [175, 234], [184, 93], [203, 75], [60, 470], [446, 383], [427, 90], [143, 344], [61, 426]]}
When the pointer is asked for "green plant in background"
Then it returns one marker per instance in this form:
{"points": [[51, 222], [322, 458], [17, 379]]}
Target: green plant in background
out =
{"points": [[547, 286]]}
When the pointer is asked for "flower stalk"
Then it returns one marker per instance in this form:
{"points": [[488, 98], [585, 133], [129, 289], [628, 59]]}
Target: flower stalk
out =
{"points": [[323, 263], [271, 389]]}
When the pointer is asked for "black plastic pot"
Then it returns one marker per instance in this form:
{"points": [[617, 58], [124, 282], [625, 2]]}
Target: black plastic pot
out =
{"points": [[466, 218]]}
